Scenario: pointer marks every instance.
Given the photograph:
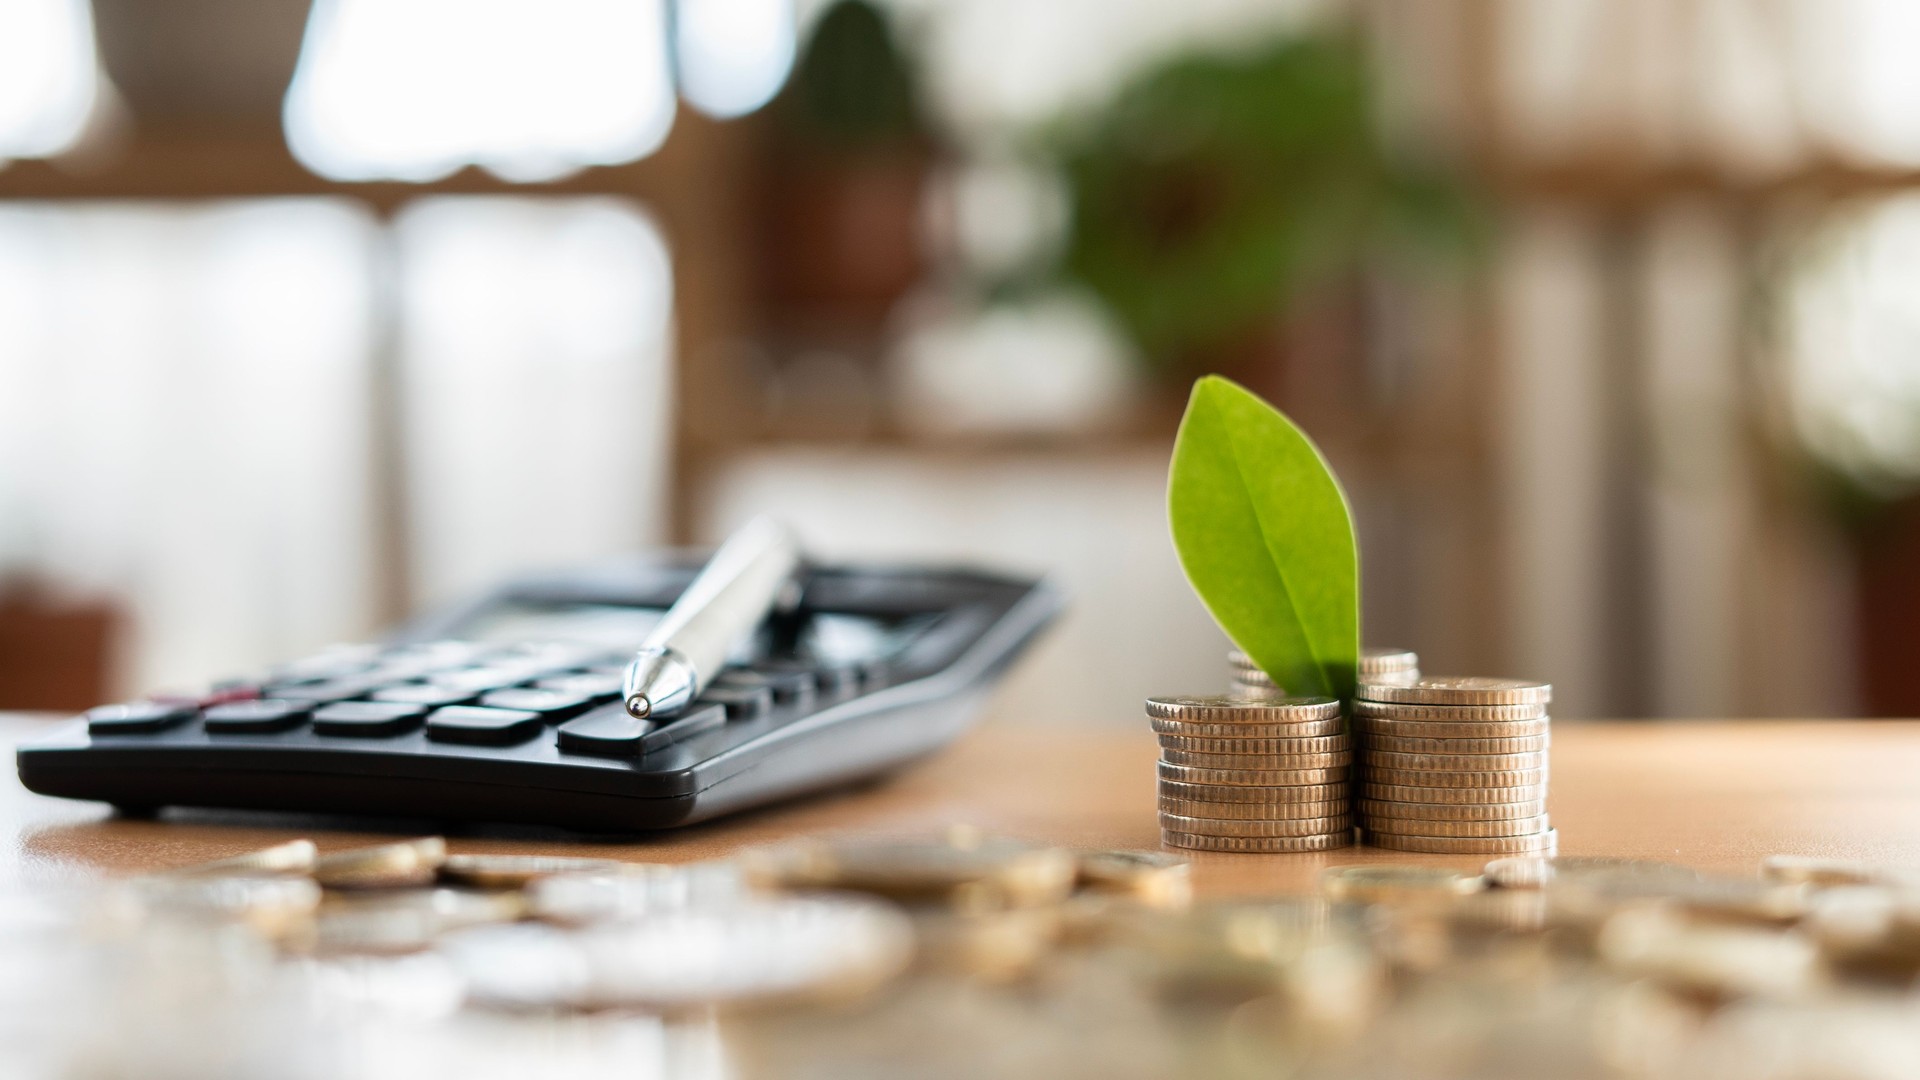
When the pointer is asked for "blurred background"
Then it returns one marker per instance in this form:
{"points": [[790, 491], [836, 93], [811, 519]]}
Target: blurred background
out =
{"points": [[317, 314]]}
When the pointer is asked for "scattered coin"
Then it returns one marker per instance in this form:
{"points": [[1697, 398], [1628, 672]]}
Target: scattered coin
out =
{"points": [[1371, 809], [1256, 844], [1525, 826], [1461, 845], [515, 871], [1156, 877], [292, 857], [1251, 777], [272, 904], [1826, 872], [1372, 884], [388, 866], [633, 891], [1244, 827], [1005, 871], [1253, 811], [1533, 873], [1458, 690]]}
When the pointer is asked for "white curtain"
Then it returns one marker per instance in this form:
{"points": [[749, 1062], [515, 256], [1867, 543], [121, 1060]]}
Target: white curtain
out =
{"points": [[536, 341], [182, 422]]}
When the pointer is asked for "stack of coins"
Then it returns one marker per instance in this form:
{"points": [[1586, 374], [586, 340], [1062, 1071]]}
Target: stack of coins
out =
{"points": [[1253, 776], [1376, 666], [1454, 765]]}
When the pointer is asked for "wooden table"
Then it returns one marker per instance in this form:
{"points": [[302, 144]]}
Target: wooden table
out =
{"points": [[1718, 795]]}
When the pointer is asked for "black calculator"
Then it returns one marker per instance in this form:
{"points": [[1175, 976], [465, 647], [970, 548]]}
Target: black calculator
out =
{"points": [[508, 709]]}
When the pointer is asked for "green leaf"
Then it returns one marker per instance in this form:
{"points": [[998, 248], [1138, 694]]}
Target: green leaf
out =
{"points": [[1265, 538]]}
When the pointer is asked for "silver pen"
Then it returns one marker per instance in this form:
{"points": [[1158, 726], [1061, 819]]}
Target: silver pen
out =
{"points": [[733, 592]]}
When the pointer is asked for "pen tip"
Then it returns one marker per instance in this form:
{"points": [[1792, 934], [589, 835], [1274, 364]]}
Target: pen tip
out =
{"points": [[639, 707]]}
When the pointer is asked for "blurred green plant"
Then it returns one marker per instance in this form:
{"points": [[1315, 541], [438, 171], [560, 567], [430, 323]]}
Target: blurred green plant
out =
{"points": [[852, 86], [1214, 188]]}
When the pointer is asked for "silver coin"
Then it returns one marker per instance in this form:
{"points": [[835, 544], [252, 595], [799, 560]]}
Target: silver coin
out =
{"points": [[1325, 744], [1255, 794], [1256, 845], [1399, 744], [1543, 842], [1298, 729], [1524, 826], [1388, 759], [1491, 778], [1219, 709], [1253, 811], [1459, 690], [1525, 793], [1258, 761], [1375, 809], [1525, 719], [1247, 827], [1379, 661], [1189, 774]]}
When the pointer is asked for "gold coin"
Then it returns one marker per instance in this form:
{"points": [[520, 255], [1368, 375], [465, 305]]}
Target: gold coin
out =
{"points": [[1289, 762], [1387, 759], [1367, 720], [1544, 842], [1253, 811], [1244, 827], [404, 865], [1256, 844], [514, 871], [1397, 744], [1506, 719], [1524, 793], [1371, 884], [1189, 774], [1299, 729], [1489, 779], [1328, 744], [1525, 826], [292, 857], [1155, 877], [1230, 710], [1371, 809], [1458, 690], [1254, 794], [1533, 872]]}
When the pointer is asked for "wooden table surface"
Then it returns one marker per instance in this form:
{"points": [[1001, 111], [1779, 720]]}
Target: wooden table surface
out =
{"points": [[1717, 795]]}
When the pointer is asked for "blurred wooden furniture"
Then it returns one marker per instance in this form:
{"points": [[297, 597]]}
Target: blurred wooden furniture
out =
{"points": [[1718, 795]]}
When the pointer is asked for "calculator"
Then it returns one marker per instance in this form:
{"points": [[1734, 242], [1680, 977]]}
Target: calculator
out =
{"points": [[508, 708]]}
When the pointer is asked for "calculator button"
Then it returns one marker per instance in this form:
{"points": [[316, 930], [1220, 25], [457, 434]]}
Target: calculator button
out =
{"points": [[482, 679], [740, 702], [784, 685], [552, 705], [606, 730], [473, 724], [701, 717], [429, 695], [325, 693], [368, 719], [605, 685], [137, 717], [838, 679], [250, 717]]}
